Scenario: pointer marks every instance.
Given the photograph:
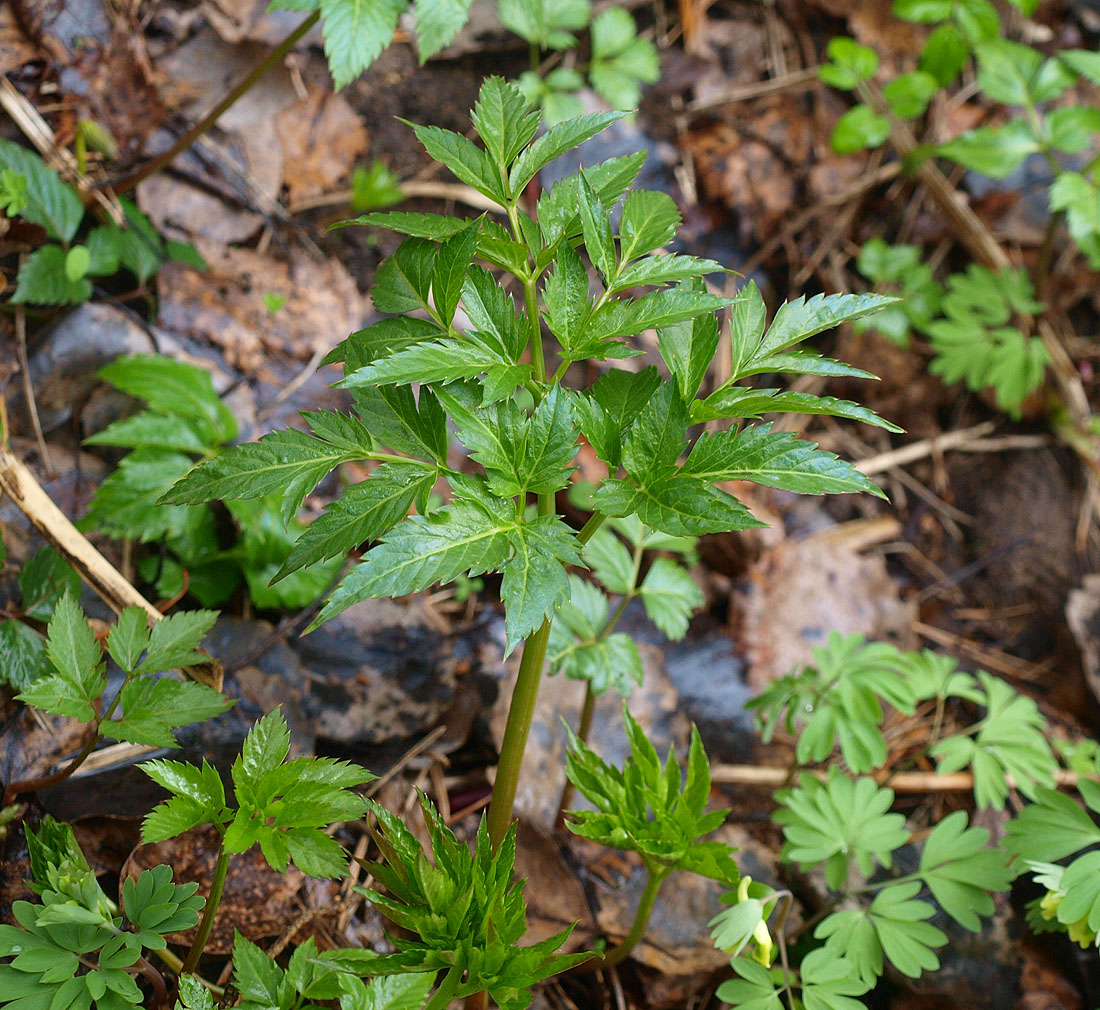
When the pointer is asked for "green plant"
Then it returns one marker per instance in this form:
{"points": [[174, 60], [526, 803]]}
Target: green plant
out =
{"points": [[514, 415], [843, 824], [59, 272], [75, 949], [282, 805], [620, 62], [644, 808], [147, 708], [185, 419], [966, 324], [465, 910], [43, 580], [981, 325]]}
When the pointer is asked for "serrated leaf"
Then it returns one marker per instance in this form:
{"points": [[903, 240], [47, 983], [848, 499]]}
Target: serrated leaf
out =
{"points": [[503, 119], [152, 708], [1080, 199], [174, 641], [174, 387], [492, 314], [596, 228], [457, 539], [648, 221], [688, 348], [565, 292], [741, 401], [433, 226], [51, 203], [288, 462], [996, 151], [657, 437], [43, 580], [362, 513], [610, 560], [129, 638], [437, 23], [800, 319], [556, 141], [670, 597], [664, 269], [355, 32], [43, 280], [412, 424], [652, 311], [535, 582], [23, 658], [465, 159], [402, 282], [452, 263], [679, 505], [779, 459]]}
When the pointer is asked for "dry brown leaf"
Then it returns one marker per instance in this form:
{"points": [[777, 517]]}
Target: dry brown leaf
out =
{"points": [[321, 138], [802, 590], [224, 306]]}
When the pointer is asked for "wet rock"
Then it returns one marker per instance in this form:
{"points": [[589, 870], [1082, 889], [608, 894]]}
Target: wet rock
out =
{"points": [[379, 675], [708, 676], [66, 357]]}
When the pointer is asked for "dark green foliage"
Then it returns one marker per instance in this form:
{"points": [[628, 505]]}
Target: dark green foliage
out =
{"points": [[282, 804], [184, 418], [517, 422], [148, 708]]}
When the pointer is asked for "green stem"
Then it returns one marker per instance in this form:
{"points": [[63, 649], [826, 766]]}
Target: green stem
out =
{"points": [[212, 902], [584, 727], [520, 713], [588, 530], [641, 923], [275, 56], [447, 988]]}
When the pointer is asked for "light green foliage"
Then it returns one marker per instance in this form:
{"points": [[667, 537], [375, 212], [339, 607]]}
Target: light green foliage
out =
{"points": [[356, 31], [1007, 740], [836, 700], [466, 911], [1052, 828], [282, 804], [184, 419], [14, 192], [43, 580], [970, 325], [374, 187], [194, 995], [825, 982], [518, 423], [898, 268], [840, 822], [972, 332], [152, 707], [76, 927], [58, 274], [650, 808], [583, 642]]}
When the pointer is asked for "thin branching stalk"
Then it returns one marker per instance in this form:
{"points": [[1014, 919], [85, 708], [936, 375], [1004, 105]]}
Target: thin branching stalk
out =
{"points": [[191, 962]]}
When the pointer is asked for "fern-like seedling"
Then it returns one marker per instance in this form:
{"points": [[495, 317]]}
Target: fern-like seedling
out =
{"points": [[464, 909]]}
